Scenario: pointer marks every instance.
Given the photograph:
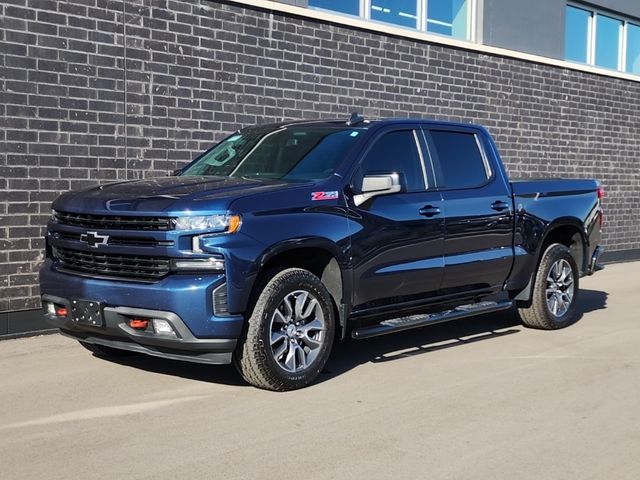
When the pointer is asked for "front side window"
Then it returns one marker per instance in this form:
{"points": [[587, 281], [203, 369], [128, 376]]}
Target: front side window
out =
{"points": [[607, 41], [297, 153], [394, 152], [461, 162]]}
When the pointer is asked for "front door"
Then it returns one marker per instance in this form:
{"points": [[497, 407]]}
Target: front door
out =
{"points": [[397, 239]]}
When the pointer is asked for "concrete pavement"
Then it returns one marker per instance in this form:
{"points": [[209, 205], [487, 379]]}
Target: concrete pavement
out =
{"points": [[482, 398]]}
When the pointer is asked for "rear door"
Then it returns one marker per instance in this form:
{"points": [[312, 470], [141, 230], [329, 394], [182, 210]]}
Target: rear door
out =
{"points": [[478, 250], [397, 239]]}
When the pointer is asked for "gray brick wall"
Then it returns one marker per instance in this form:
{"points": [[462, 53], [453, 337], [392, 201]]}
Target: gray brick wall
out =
{"points": [[98, 90]]}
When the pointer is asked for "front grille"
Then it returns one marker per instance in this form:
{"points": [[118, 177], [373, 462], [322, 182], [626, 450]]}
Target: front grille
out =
{"points": [[113, 222], [127, 241], [109, 265]]}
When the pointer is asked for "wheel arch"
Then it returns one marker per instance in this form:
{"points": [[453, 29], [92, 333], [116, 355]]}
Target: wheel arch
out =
{"points": [[320, 256], [567, 231]]}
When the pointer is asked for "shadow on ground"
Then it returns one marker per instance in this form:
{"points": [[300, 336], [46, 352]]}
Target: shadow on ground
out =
{"points": [[350, 353]]}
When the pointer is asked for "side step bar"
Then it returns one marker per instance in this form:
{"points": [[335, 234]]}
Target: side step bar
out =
{"points": [[415, 321]]}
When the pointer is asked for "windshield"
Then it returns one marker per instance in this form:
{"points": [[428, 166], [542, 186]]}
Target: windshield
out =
{"points": [[296, 152]]}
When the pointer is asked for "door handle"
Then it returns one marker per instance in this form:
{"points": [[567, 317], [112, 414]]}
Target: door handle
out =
{"points": [[429, 211], [499, 205]]}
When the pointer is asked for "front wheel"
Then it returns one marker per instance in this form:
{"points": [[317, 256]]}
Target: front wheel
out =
{"points": [[555, 291], [289, 334]]}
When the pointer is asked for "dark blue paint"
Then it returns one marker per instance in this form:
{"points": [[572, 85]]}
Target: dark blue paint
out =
{"points": [[389, 254]]}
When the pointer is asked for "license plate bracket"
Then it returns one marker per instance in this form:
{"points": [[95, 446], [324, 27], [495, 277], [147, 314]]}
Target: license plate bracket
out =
{"points": [[87, 312]]}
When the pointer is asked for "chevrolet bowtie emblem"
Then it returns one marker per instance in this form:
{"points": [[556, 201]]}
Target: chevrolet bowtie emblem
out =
{"points": [[93, 239]]}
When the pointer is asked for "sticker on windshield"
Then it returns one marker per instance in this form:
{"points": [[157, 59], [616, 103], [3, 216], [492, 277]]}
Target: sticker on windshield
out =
{"points": [[324, 195]]}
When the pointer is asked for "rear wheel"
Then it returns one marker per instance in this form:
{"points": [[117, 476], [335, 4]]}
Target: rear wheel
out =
{"points": [[289, 334], [106, 352], [555, 291]]}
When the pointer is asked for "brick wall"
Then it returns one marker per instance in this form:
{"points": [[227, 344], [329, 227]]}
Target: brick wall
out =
{"points": [[98, 90]]}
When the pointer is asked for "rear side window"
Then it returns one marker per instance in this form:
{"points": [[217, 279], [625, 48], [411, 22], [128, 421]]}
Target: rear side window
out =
{"points": [[461, 162], [395, 152]]}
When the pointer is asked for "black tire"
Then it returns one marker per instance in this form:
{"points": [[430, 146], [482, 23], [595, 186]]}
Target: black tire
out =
{"points": [[256, 356], [539, 312], [106, 352]]}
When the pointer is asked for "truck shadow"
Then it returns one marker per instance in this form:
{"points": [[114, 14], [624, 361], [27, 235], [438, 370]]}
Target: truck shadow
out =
{"points": [[349, 354]]}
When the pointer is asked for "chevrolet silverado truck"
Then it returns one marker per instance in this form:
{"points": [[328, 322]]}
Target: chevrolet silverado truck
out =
{"points": [[284, 238]]}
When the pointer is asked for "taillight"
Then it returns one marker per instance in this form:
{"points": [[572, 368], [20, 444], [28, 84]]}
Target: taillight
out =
{"points": [[600, 193]]}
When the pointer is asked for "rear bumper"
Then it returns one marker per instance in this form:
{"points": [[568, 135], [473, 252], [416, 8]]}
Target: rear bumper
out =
{"points": [[117, 333], [594, 264]]}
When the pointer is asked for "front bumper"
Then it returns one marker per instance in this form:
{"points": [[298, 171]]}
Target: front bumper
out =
{"points": [[185, 301], [117, 333]]}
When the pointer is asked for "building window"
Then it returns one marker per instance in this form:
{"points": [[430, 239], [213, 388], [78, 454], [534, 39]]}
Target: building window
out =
{"points": [[607, 35], [577, 23], [601, 39], [443, 17], [398, 12], [633, 48], [448, 17], [350, 7]]}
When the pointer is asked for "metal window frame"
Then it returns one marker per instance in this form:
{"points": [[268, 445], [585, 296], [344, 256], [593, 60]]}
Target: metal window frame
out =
{"points": [[592, 34]]}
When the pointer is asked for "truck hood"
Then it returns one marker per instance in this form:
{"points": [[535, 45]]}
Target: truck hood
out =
{"points": [[166, 195]]}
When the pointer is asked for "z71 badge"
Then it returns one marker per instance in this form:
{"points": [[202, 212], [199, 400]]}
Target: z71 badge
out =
{"points": [[324, 195]]}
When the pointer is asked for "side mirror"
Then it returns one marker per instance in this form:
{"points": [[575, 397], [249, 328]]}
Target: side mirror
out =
{"points": [[376, 185]]}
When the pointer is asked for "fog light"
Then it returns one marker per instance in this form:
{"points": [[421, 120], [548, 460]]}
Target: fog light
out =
{"points": [[61, 311], [212, 264], [162, 327], [138, 324]]}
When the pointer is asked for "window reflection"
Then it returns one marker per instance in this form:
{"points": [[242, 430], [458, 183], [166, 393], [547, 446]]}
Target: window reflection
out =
{"points": [[607, 41], [447, 17], [444, 17], [398, 12], [350, 7], [577, 34], [633, 48]]}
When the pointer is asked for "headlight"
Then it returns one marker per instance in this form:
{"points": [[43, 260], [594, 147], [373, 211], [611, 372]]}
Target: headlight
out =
{"points": [[211, 223]]}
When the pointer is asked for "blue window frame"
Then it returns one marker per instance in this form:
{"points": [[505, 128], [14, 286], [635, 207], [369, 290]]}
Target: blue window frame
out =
{"points": [[633, 48], [576, 46], [350, 7], [607, 42]]}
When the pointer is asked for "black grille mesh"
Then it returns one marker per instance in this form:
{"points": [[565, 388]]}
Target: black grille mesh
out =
{"points": [[110, 265], [113, 222]]}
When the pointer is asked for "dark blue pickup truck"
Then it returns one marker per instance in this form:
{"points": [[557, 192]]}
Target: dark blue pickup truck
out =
{"points": [[282, 237]]}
